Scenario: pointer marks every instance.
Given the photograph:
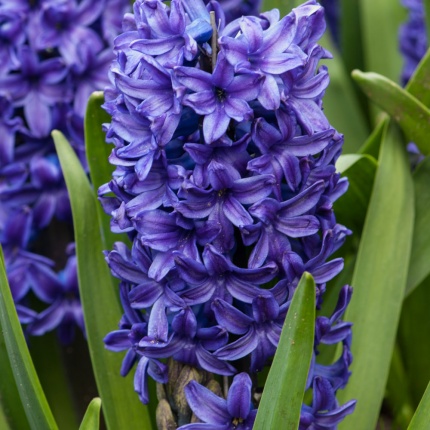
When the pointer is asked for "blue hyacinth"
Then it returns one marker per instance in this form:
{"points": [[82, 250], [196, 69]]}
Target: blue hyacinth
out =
{"points": [[224, 181]]}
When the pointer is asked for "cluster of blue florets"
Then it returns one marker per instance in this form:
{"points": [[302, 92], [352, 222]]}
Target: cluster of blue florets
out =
{"points": [[225, 181]]}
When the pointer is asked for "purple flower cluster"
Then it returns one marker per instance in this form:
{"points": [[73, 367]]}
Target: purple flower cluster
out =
{"points": [[53, 55], [225, 181], [412, 38]]}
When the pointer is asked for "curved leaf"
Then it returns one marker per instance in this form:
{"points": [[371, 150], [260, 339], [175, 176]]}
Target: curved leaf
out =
{"points": [[419, 268], [420, 420], [412, 116], [380, 43], [32, 396], [10, 402], [91, 420], [351, 208], [379, 282], [418, 85], [285, 385], [98, 151], [414, 340], [101, 307]]}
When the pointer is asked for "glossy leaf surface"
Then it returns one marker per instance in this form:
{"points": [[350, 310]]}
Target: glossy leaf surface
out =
{"points": [[379, 282], [285, 385], [102, 311], [32, 396]]}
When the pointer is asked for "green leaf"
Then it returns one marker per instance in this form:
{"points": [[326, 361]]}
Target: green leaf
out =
{"points": [[285, 386], [91, 419], [420, 421], [414, 340], [32, 397], [419, 268], [102, 310], [351, 208], [10, 401], [419, 84], [53, 374], [397, 397], [372, 145], [379, 282], [380, 42], [350, 121], [427, 16], [98, 151], [412, 116]]}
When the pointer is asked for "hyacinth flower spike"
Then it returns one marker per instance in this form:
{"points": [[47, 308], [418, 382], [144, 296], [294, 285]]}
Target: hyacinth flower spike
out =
{"points": [[224, 181]]}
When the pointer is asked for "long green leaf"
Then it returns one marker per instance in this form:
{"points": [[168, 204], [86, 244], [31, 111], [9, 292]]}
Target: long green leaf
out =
{"points": [[102, 311], [397, 393], [53, 375], [414, 340], [379, 282], [10, 401], [98, 151], [32, 397], [381, 52], [420, 420], [284, 389], [351, 208], [419, 85], [427, 17], [419, 267], [91, 419], [340, 93], [412, 116]]}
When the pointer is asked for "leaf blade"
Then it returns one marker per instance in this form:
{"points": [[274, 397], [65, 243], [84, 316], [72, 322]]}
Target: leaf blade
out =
{"points": [[91, 420], [285, 384], [102, 312], [412, 116], [379, 281], [97, 152], [420, 419], [32, 396]]}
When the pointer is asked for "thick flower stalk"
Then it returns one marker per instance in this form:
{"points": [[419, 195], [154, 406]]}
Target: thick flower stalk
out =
{"points": [[412, 38], [54, 54], [225, 181]]}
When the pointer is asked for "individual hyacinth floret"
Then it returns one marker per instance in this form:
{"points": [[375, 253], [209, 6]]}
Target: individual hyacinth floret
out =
{"points": [[224, 181]]}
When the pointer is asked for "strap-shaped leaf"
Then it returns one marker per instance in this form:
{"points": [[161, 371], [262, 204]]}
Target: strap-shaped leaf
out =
{"points": [[351, 208], [419, 267], [10, 402], [102, 310], [285, 385], [418, 85], [98, 151], [414, 340], [91, 420], [420, 420], [32, 396], [380, 44], [412, 116], [379, 282]]}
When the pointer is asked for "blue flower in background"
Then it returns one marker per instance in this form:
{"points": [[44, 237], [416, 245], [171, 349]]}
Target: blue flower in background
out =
{"points": [[412, 38], [54, 54]]}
